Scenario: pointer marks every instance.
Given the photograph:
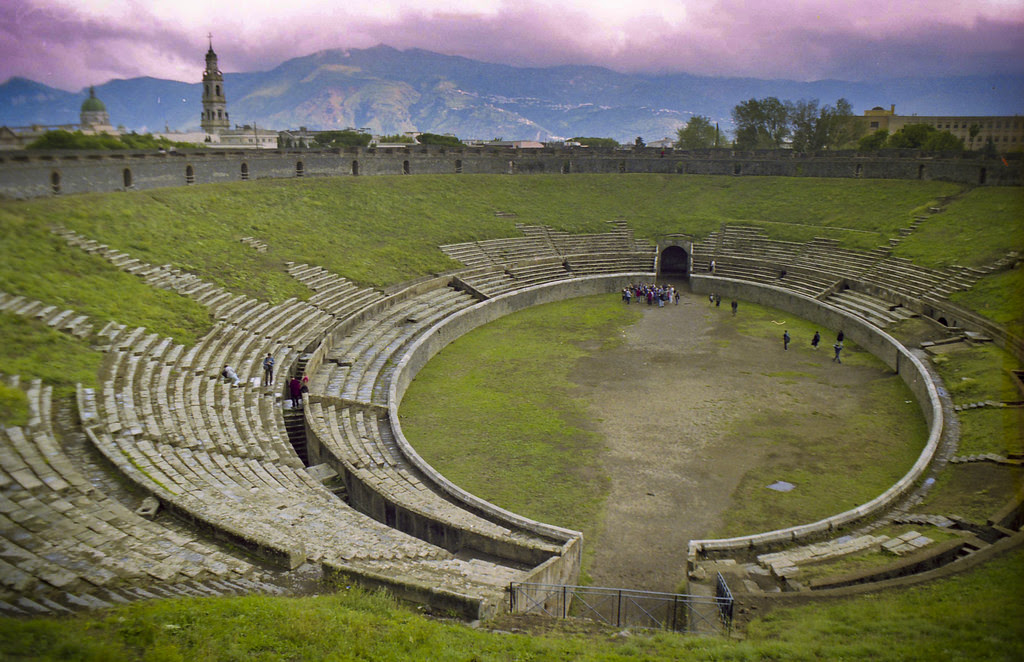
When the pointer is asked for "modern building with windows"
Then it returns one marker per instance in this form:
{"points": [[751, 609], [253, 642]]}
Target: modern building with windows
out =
{"points": [[1006, 132]]}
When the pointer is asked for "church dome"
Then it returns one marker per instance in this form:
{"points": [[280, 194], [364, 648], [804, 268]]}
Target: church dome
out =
{"points": [[92, 104]]}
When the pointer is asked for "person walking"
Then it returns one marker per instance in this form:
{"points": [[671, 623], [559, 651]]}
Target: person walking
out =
{"points": [[785, 340], [734, 306], [838, 347], [815, 340], [268, 370], [295, 390]]}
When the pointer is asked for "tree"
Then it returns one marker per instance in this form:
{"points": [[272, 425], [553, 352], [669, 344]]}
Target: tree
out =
{"points": [[807, 126], [347, 138], [973, 133], [761, 123], [639, 143], [926, 137], [840, 127], [699, 133], [396, 138], [435, 139], [609, 143], [911, 136], [943, 141], [874, 141], [829, 127]]}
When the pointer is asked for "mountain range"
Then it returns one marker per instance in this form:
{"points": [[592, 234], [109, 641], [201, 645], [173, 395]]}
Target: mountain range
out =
{"points": [[391, 91]]}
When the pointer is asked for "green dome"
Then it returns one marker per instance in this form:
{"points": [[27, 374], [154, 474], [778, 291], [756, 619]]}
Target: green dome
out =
{"points": [[92, 104]]}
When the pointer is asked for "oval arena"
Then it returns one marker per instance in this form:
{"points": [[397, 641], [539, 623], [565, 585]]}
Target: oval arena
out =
{"points": [[335, 486]]}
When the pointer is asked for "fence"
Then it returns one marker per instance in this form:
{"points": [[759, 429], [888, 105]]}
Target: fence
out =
{"points": [[618, 607]]}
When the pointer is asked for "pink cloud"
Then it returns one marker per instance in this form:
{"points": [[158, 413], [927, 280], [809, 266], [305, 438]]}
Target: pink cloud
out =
{"points": [[799, 39]]}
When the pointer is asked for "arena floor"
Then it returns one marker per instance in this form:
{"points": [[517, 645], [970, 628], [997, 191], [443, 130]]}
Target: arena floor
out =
{"points": [[683, 405]]}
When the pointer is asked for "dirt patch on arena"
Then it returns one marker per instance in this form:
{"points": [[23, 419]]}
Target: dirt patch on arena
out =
{"points": [[668, 401]]}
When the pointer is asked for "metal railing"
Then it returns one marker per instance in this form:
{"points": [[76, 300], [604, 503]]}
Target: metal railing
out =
{"points": [[695, 614]]}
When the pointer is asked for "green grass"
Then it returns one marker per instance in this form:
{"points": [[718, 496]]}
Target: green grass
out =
{"points": [[991, 431], [974, 230], [974, 616], [999, 297], [978, 373], [494, 411], [13, 405], [34, 351], [834, 470]]}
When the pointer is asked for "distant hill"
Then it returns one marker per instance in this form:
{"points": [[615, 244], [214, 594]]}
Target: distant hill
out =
{"points": [[390, 91]]}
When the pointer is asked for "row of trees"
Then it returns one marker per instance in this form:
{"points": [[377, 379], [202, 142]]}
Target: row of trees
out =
{"points": [[915, 136], [770, 123]]}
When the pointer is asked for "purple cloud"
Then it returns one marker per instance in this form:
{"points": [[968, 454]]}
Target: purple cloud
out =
{"points": [[73, 46]]}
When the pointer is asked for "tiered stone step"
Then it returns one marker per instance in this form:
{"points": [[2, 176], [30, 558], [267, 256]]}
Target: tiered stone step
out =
{"points": [[334, 294], [65, 320], [356, 364], [786, 564], [611, 263], [826, 256], [361, 439], [490, 281], [63, 540], [877, 311], [537, 273]]}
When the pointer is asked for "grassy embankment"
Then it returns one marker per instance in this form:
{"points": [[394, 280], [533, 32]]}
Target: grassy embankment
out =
{"points": [[373, 230], [976, 230], [975, 616]]}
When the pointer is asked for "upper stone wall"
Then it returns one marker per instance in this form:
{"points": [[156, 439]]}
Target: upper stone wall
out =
{"points": [[39, 174]]}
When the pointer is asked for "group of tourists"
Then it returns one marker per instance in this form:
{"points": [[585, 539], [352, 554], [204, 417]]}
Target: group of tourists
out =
{"points": [[651, 293], [837, 347], [296, 386]]}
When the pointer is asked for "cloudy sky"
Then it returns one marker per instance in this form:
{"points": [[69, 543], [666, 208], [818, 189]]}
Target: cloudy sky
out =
{"points": [[73, 43]]}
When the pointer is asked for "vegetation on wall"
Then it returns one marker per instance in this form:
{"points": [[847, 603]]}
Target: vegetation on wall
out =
{"points": [[61, 139]]}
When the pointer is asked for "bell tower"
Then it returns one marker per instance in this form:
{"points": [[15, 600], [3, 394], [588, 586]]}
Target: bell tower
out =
{"points": [[214, 118]]}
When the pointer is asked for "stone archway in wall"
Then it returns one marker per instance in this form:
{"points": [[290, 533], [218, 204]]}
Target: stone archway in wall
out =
{"points": [[673, 260]]}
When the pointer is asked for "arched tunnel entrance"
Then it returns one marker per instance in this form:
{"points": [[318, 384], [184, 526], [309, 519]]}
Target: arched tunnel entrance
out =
{"points": [[674, 261]]}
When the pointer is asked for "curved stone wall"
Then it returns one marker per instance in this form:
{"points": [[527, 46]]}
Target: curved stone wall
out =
{"points": [[30, 174]]}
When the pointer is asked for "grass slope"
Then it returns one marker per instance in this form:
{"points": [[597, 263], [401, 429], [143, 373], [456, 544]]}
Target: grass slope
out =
{"points": [[975, 616], [383, 230]]}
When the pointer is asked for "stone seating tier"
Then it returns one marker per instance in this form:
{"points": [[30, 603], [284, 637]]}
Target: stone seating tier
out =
{"points": [[61, 534], [65, 320], [361, 439], [359, 359], [877, 311]]}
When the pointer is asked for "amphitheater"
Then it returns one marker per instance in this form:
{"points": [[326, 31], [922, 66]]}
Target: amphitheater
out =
{"points": [[265, 497]]}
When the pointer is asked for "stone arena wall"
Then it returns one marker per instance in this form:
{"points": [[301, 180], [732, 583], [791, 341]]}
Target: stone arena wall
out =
{"points": [[875, 341], [30, 174]]}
